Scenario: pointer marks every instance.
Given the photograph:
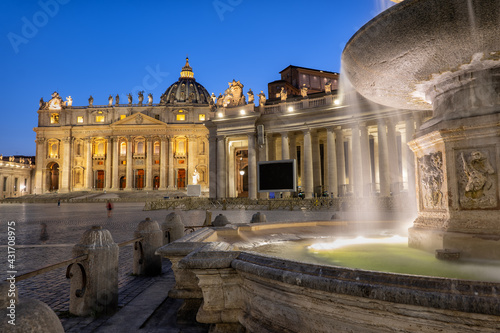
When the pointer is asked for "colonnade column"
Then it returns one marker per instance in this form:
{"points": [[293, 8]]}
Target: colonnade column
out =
{"points": [[365, 159], [292, 139], [149, 164], [88, 173], [285, 154], [316, 159], [393, 157], [271, 147], [212, 167], [41, 152], [410, 157], [331, 163], [357, 177], [339, 143], [252, 167], [307, 179], [171, 184], [130, 176], [109, 156], [66, 165], [163, 163], [221, 166], [115, 184], [383, 158]]}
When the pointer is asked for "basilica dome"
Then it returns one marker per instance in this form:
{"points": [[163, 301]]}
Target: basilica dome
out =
{"points": [[186, 89]]}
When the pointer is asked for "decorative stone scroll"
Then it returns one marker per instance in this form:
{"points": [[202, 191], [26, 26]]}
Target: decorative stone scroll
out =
{"points": [[431, 180], [477, 183]]}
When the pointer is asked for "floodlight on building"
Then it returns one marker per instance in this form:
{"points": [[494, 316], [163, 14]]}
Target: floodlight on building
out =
{"points": [[290, 108], [336, 102], [242, 172], [242, 111], [220, 115]]}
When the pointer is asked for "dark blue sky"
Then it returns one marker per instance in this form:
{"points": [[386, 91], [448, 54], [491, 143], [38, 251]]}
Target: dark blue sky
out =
{"points": [[101, 47]]}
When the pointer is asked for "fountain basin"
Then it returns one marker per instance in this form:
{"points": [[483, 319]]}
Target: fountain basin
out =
{"points": [[268, 294], [415, 51]]}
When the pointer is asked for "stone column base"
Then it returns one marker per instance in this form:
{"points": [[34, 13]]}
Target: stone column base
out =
{"points": [[470, 245]]}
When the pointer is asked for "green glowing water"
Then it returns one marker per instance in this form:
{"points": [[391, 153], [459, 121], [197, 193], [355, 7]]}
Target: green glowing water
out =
{"points": [[395, 258]]}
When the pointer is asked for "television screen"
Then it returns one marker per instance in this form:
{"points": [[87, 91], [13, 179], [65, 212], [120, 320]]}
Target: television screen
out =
{"points": [[277, 176]]}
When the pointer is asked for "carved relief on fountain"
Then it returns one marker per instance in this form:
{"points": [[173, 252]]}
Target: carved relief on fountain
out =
{"points": [[431, 181], [477, 184]]}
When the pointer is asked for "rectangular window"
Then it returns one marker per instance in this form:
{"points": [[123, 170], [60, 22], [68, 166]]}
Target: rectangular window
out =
{"points": [[181, 117], [157, 116], [122, 116], [124, 162], [79, 119], [157, 161], [15, 184], [4, 184], [54, 118], [99, 119], [201, 117]]}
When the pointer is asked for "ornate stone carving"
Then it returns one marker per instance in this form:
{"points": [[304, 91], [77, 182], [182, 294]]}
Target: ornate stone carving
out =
{"points": [[262, 98], [69, 101], [303, 91], [150, 99], [55, 103], [129, 99], [139, 119], [233, 96], [283, 94], [140, 97], [250, 96], [91, 100], [476, 181], [117, 99], [110, 100], [431, 180], [328, 87], [41, 103]]}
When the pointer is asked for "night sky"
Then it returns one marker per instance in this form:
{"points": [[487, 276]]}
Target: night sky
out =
{"points": [[81, 48]]}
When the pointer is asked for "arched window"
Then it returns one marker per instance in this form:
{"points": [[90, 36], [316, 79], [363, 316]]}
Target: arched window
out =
{"points": [[156, 149], [140, 147], [123, 148], [100, 149]]}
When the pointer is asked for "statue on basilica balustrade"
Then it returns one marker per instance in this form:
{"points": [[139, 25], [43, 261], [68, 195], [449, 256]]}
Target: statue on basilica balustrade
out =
{"points": [[150, 99], [110, 100]]}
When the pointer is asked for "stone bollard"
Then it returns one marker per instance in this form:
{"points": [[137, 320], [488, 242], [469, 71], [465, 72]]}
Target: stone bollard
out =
{"points": [[145, 260], [99, 272], [220, 221], [208, 218], [258, 218], [25, 315], [172, 228]]}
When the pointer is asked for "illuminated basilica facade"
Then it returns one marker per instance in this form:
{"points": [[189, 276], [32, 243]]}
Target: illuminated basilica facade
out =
{"points": [[343, 147]]}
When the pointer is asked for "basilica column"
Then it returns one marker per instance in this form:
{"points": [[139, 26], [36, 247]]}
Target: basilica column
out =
{"points": [[383, 158], [130, 175], [191, 160], [88, 173], [41, 153], [221, 166], [307, 183], [357, 175], [171, 183], [339, 142], [262, 156], [149, 164], [365, 158], [109, 157], [66, 165], [163, 163], [293, 146], [331, 163], [252, 167], [115, 184], [212, 166], [231, 174]]}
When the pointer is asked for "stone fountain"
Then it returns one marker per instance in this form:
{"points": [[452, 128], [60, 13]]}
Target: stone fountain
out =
{"points": [[444, 56]]}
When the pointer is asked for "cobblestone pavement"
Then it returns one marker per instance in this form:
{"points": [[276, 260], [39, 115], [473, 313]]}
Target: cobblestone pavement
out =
{"points": [[65, 225]]}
